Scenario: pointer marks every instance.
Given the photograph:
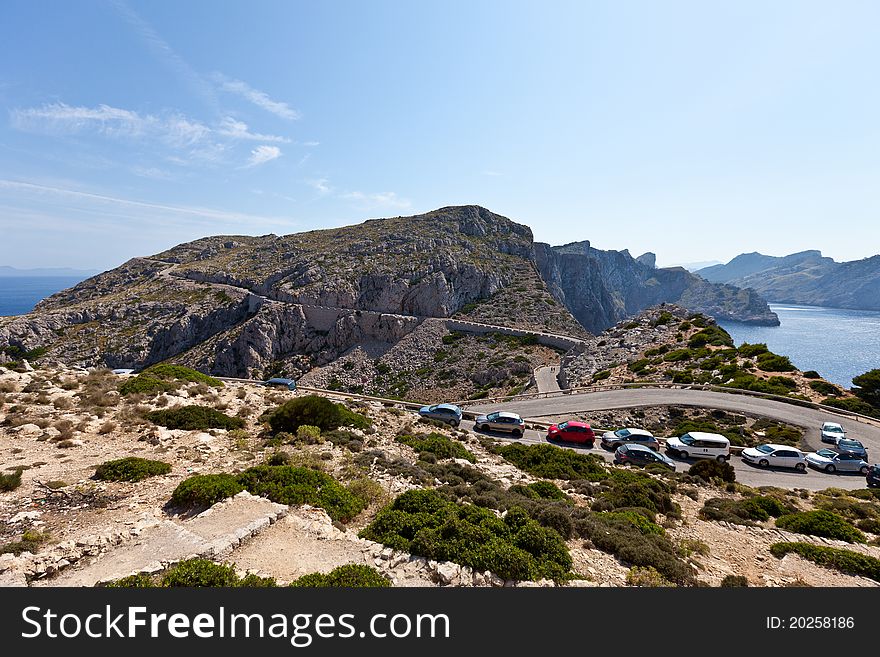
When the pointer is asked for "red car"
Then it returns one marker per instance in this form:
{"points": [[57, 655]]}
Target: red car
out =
{"points": [[572, 432]]}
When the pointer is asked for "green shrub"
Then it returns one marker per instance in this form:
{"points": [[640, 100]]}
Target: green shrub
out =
{"points": [[646, 493], [200, 573], [710, 469], [601, 376], [638, 366], [782, 434], [821, 523], [646, 576], [10, 482], [812, 374], [784, 381], [734, 581], [347, 576], [871, 525], [316, 411], [747, 350], [682, 377], [514, 547], [678, 355], [852, 404], [194, 417], [744, 511], [31, 541], [288, 484], [540, 490], [308, 433], [845, 561], [342, 438], [437, 444], [711, 335], [132, 582], [770, 362], [205, 490], [663, 318], [867, 387], [550, 462], [825, 388], [165, 377], [132, 468]]}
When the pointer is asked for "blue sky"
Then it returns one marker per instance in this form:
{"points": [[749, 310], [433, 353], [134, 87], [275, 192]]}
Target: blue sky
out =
{"points": [[695, 130]]}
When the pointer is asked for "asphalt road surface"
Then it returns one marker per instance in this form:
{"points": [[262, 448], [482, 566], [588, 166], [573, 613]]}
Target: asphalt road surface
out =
{"points": [[809, 419]]}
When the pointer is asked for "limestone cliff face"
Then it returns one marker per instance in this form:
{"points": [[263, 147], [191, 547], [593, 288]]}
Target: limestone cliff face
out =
{"points": [[601, 288]]}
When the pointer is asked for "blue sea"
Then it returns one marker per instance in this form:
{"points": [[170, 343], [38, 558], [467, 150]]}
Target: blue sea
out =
{"points": [[837, 343], [19, 294]]}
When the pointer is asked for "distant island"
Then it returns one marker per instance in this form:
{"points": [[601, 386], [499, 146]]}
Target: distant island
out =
{"points": [[807, 278], [40, 272]]}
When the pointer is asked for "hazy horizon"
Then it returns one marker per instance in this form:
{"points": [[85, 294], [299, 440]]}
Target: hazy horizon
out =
{"points": [[693, 131]]}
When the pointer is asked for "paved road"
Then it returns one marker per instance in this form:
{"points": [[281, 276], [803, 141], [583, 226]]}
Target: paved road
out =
{"points": [[807, 418], [545, 378]]}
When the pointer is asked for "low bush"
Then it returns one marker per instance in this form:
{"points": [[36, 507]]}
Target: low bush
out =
{"points": [[770, 362], [852, 404], [194, 417], [646, 576], [314, 410], [678, 355], [745, 511], [200, 573], [288, 484], [347, 576], [845, 561], [438, 445], [139, 581], [646, 493], [825, 388], [514, 547], [821, 523], [144, 384], [812, 374], [709, 470], [31, 541], [132, 468], [747, 350], [540, 490], [342, 438], [711, 335], [165, 377], [734, 581], [205, 490], [9, 482], [551, 462]]}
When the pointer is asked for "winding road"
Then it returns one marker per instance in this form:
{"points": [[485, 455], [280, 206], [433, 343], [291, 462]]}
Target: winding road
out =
{"points": [[563, 406]]}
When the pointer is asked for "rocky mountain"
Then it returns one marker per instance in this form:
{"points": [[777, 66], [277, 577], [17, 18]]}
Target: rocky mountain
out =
{"points": [[245, 306], [601, 288], [807, 278]]}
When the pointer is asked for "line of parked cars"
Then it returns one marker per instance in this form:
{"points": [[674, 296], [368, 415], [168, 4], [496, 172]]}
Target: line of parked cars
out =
{"points": [[632, 445]]}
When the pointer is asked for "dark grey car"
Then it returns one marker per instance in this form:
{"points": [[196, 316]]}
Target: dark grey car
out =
{"points": [[831, 462], [449, 413], [501, 421]]}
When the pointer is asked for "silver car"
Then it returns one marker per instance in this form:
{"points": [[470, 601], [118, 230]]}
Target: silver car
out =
{"points": [[831, 462], [501, 421]]}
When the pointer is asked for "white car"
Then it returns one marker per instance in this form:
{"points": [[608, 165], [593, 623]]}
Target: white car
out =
{"points": [[779, 456], [832, 432], [831, 462]]}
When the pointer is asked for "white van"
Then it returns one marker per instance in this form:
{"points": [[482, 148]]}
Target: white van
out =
{"points": [[700, 445]]}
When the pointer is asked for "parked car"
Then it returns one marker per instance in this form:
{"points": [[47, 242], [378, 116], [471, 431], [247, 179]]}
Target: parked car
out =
{"points": [[873, 476], [501, 421], [630, 435], [851, 447], [831, 462], [636, 454], [701, 445], [832, 432], [449, 413], [572, 432], [780, 456], [278, 382]]}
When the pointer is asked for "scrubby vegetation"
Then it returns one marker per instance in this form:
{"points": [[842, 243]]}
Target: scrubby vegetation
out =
{"points": [[194, 573], [514, 547], [734, 581], [165, 377], [9, 482], [710, 470], [288, 484], [131, 468], [205, 490], [316, 411], [821, 523], [31, 541], [194, 417], [438, 445], [846, 561], [347, 576], [552, 462], [745, 511]]}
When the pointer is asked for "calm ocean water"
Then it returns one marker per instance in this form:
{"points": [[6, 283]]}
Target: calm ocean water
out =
{"points": [[19, 294], [837, 343]]}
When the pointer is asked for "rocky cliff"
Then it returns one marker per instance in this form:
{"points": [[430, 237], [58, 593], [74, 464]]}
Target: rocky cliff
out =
{"points": [[807, 278], [600, 288], [244, 305]]}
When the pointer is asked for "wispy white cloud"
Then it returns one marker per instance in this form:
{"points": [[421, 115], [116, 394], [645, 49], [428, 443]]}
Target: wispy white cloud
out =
{"points": [[164, 53], [377, 199], [230, 127], [262, 154], [311, 144], [490, 173], [259, 98], [207, 214], [320, 185], [154, 173]]}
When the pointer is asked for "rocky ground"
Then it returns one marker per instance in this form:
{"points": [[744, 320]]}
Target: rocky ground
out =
{"points": [[57, 425]]}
